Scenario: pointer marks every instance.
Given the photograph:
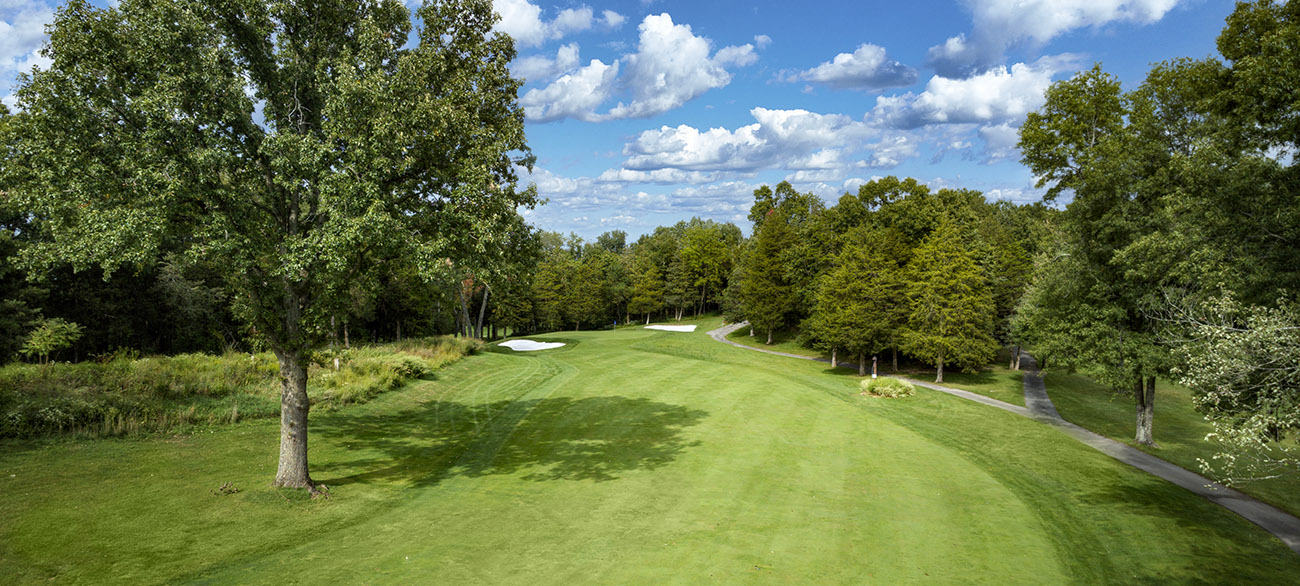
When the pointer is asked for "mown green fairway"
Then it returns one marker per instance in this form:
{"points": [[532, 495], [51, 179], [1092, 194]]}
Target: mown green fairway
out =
{"points": [[627, 457]]}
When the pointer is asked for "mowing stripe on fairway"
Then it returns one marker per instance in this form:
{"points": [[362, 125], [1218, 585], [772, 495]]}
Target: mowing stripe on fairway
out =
{"points": [[1281, 524]]}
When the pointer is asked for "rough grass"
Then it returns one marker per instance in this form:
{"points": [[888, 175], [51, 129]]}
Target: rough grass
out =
{"points": [[1178, 429], [125, 396], [626, 457]]}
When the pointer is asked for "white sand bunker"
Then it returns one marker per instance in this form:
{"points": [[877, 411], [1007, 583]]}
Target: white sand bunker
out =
{"points": [[529, 345], [672, 328]]}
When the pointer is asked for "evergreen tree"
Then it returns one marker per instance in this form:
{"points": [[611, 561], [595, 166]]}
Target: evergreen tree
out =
{"points": [[950, 321], [766, 294], [860, 303], [647, 293]]}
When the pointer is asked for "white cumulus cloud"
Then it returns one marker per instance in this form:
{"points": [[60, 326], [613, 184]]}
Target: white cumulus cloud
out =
{"points": [[572, 95], [993, 97], [673, 66], [542, 67], [867, 68], [1001, 24], [792, 139], [523, 20], [22, 32]]}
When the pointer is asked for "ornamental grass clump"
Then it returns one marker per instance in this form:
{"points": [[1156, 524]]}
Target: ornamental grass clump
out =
{"points": [[887, 387]]}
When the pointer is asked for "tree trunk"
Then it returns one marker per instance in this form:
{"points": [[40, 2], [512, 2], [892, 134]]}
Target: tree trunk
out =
{"points": [[938, 378], [751, 330], [1146, 408], [294, 405], [895, 359], [464, 309], [862, 364], [833, 362], [769, 336], [399, 329], [482, 309], [334, 336], [647, 318]]}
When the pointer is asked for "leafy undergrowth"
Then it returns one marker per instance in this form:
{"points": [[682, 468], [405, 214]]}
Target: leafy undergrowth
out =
{"points": [[126, 396], [1179, 430]]}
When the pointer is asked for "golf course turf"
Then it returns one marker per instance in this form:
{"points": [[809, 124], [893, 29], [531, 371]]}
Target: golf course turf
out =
{"points": [[624, 457]]}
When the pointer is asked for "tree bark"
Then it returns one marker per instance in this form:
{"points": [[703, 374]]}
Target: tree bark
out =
{"points": [[294, 405], [647, 318], [938, 378], [895, 359], [346, 343], [482, 309], [862, 364], [833, 362], [1145, 407], [769, 337], [334, 336], [399, 329], [464, 309]]}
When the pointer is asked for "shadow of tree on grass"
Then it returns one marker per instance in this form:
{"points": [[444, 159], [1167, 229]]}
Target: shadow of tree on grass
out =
{"points": [[594, 438]]}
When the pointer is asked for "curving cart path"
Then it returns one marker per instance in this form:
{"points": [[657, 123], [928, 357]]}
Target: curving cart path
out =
{"points": [[1039, 408]]}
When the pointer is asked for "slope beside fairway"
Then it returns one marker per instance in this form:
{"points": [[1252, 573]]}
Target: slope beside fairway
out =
{"points": [[624, 457]]}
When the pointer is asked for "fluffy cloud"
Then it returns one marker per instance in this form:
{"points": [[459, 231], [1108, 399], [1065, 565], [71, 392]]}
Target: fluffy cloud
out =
{"points": [[999, 142], [522, 20], [867, 68], [671, 67], [1000, 24], [541, 67], [786, 138], [661, 176], [573, 95], [22, 32], [993, 97]]}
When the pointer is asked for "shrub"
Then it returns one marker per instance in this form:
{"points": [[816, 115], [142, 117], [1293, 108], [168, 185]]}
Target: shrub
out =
{"points": [[887, 387]]}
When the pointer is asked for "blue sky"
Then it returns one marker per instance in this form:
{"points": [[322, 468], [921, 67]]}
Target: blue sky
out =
{"points": [[642, 113]]}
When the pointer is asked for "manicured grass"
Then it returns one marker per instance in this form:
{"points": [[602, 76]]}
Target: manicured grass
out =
{"points": [[1179, 430], [625, 457]]}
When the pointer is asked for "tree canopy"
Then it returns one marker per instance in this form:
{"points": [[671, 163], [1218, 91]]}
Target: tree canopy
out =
{"points": [[300, 146]]}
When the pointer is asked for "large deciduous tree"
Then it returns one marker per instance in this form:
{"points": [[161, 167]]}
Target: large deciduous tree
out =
{"points": [[289, 143]]}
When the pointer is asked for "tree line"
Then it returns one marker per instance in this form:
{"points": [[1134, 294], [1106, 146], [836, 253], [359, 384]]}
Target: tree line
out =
{"points": [[895, 267], [1176, 254]]}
